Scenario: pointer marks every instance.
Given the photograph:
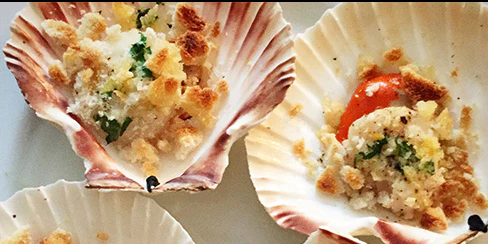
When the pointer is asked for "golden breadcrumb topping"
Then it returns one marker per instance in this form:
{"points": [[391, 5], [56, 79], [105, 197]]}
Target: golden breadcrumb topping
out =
{"points": [[188, 16], [393, 54], [295, 110], [145, 92], [409, 158]]}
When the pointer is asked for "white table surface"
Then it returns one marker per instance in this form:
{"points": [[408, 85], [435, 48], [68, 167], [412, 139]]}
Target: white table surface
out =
{"points": [[34, 153]]}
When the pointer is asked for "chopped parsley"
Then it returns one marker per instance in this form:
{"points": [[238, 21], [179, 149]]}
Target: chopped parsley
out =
{"points": [[126, 124], [138, 49], [107, 95], [404, 155], [374, 149], [138, 52], [429, 168], [141, 14], [112, 127]]}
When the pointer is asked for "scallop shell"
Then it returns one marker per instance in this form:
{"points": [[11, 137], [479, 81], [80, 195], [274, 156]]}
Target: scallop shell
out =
{"points": [[254, 55], [126, 217], [447, 36]]}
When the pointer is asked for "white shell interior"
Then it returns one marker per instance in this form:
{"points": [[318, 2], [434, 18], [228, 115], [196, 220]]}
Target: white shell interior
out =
{"points": [[126, 217], [253, 53], [446, 36]]}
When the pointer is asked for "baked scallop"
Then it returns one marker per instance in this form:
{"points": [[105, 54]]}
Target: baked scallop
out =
{"points": [[382, 133], [152, 95], [67, 212]]}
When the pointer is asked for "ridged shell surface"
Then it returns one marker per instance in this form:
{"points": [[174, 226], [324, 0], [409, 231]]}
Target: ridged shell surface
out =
{"points": [[254, 56], [124, 217], [446, 36]]}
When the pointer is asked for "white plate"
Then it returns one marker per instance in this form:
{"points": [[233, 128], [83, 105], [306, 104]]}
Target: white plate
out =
{"points": [[35, 153]]}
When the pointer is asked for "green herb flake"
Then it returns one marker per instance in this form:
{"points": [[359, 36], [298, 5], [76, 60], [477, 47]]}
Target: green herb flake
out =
{"points": [[137, 50], [429, 168], [374, 149], [146, 73], [112, 127], [405, 156], [107, 95], [140, 14], [126, 124]]}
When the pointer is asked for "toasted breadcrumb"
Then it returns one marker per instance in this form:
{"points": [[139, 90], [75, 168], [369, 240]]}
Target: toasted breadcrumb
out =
{"points": [[328, 182], [165, 92], [222, 88], [102, 236], [193, 47], [454, 72], [199, 103], [59, 236], [366, 68], [353, 177], [61, 32], [295, 110], [166, 61], [57, 72], [19, 237], [92, 26], [187, 15], [125, 15], [299, 149], [434, 219], [215, 30], [419, 88], [465, 121], [393, 54]]}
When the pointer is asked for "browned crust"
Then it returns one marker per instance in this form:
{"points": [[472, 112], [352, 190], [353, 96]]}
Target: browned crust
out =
{"points": [[299, 149], [58, 237], [19, 237], [102, 236], [215, 30], [205, 98], [328, 182], [393, 54], [222, 87], [368, 71], [61, 32], [159, 58], [187, 131], [93, 25], [187, 15], [434, 219], [192, 45], [465, 121], [57, 72], [419, 88], [295, 110]]}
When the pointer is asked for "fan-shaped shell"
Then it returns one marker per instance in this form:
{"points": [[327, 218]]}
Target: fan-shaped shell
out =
{"points": [[447, 36], [122, 217], [254, 56]]}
